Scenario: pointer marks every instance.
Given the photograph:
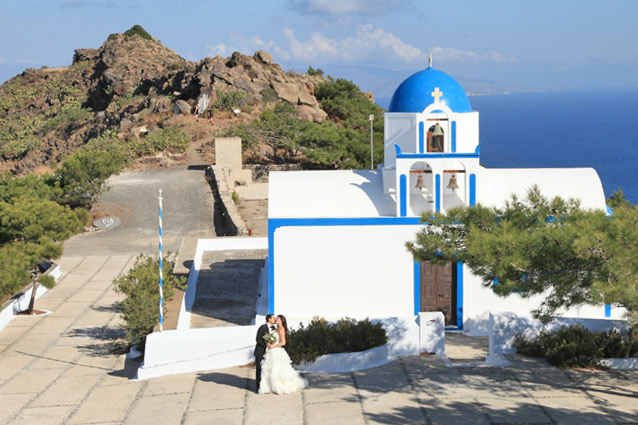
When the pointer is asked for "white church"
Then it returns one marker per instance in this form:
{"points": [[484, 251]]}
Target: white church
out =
{"points": [[336, 239], [336, 244]]}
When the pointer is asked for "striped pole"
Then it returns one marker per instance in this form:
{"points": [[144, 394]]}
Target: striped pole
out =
{"points": [[161, 282]]}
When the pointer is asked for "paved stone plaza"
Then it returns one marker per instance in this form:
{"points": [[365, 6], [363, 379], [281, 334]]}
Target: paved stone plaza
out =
{"points": [[61, 369]]}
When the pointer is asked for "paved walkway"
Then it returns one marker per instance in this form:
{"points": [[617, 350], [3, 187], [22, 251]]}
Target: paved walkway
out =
{"points": [[61, 369]]}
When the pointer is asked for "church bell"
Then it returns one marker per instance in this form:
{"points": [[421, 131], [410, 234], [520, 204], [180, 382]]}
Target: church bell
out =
{"points": [[437, 130], [452, 184], [419, 183]]}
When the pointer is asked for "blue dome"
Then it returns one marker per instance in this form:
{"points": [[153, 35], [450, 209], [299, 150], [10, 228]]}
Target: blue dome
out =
{"points": [[415, 93]]}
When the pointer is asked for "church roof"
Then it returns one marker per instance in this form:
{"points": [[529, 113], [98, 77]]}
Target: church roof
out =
{"points": [[417, 92]]}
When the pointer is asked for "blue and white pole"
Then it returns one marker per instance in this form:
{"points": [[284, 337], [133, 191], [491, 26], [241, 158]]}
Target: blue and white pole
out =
{"points": [[161, 282]]}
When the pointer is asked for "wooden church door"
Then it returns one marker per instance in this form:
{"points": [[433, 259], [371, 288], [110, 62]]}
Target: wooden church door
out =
{"points": [[438, 289]]}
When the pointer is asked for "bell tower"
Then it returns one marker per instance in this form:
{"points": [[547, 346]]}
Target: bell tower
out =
{"points": [[431, 145]]}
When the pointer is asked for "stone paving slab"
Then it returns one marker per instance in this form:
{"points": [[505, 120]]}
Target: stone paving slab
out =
{"points": [[167, 409], [106, 403], [50, 415]]}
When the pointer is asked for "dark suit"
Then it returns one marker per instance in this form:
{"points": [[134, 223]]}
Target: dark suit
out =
{"points": [[260, 349]]}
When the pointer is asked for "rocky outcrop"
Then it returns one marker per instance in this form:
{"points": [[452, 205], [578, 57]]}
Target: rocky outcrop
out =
{"points": [[130, 78]]}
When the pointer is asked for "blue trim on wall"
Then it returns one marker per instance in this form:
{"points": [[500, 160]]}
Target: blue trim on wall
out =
{"points": [[453, 136], [433, 155], [472, 190], [459, 295], [417, 288], [271, 266], [421, 137], [437, 192], [403, 195], [607, 310], [275, 223]]}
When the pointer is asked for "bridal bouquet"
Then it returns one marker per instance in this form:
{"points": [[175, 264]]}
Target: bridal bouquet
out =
{"points": [[269, 338]]}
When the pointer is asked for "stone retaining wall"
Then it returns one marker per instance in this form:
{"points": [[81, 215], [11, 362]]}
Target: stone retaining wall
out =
{"points": [[228, 222], [260, 171]]}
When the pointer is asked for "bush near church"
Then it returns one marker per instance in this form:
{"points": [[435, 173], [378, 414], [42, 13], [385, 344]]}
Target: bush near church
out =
{"points": [[577, 346], [140, 287], [345, 336]]}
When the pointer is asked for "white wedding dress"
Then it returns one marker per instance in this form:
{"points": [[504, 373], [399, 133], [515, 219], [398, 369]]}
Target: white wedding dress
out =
{"points": [[277, 374]]}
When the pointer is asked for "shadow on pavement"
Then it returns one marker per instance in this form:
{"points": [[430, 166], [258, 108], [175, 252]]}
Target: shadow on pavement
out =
{"points": [[130, 369], [226, 379]]}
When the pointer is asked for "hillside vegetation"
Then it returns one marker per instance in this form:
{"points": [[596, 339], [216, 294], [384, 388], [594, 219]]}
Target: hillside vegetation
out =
{"points": [[64, 131]]}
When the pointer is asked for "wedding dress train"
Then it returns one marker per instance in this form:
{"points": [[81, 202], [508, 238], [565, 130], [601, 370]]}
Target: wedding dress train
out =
{"points": [[277, 374]]}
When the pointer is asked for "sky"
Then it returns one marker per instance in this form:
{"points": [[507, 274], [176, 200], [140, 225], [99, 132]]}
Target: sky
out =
{"points": [[503, 44]]}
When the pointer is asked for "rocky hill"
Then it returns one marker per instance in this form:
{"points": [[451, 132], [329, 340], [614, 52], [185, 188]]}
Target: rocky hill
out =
{"points": [[135, 85]]}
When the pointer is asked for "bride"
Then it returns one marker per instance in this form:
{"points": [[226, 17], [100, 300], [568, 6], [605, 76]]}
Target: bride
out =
{"points": [[277, 375]]}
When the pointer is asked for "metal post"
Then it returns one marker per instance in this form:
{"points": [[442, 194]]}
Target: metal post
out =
{"points": [[161, 280], [371, 143]]}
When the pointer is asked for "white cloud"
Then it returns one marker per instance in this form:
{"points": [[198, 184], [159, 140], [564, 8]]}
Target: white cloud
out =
{"points": [[27, 62], [2, 60], [241, 44], [448, 55], [347, 7], [368, 45]]}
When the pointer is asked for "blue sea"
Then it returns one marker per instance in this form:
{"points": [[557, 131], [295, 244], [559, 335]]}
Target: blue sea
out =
{"points": [[595, 128]]}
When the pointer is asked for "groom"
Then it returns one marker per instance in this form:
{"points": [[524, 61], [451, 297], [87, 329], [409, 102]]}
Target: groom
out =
{"points": [[260, 347]]}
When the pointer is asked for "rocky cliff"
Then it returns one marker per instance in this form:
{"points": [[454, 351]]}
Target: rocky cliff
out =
{"points": [[134, 85]]}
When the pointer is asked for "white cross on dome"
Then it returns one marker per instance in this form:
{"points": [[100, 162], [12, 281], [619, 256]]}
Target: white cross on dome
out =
{"points": [[436, 94]]}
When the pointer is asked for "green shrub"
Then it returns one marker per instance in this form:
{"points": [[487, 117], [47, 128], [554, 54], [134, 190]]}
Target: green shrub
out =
{"points": [[312, 71], [235, 197], [40, 187], [340, 142], [137, 30], [268, 95], [532, 347], [18, 258], [573, 346], [28, 218], [227, 100], [577, 346], [345, 336], [613, 344], [140, 287], [83, 174], [170, 139]]}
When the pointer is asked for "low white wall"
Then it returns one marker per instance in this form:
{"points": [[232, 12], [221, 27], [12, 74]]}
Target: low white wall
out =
{"points": [[182, 351], [348, 362], [432, 333]]}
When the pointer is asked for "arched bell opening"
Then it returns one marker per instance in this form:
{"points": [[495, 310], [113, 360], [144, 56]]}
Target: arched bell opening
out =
{"points": [[422, 188], [455, 185], [436, 138]]}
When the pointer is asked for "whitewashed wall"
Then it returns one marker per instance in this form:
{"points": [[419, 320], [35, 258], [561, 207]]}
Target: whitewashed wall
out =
{"points": [[480, 301], [467, 132], [337, 271]]}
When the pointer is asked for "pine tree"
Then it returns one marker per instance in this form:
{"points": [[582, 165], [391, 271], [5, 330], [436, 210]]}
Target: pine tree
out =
{"points": [[538, 246]]}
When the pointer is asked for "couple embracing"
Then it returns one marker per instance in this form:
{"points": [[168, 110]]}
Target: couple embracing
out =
{"points": [[274, 371]]}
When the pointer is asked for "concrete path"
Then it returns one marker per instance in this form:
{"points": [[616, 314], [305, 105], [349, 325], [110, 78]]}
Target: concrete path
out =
{"points": [[62, 369], [133, 199]]}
